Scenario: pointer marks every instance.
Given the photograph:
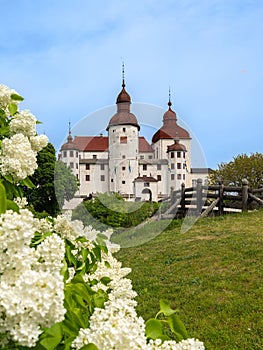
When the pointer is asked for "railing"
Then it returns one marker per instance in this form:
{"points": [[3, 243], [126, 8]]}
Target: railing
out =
{"points": [[202, 200]]}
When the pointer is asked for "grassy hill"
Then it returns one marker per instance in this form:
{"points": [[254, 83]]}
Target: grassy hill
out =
{"points": [[213, 273]]}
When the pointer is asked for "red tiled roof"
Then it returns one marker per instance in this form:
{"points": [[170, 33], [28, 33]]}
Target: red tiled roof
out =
{"points": [[100, 143], [170, 128], [92, 143], [145, 179], [144, 146], [177, 146]]}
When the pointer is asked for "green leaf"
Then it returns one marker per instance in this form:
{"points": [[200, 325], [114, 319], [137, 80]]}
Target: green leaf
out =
{"points": [[27, 182], [177, 327], [99, 299], [90, 346], [12, 205], [3, 201], [153, 329], [165, 308], [16, 97], [2, 113], [105, 280], [71, 258], [51, 337], [12, 107]]}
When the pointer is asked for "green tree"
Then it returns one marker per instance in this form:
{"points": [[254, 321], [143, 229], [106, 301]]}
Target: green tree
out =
{"points": [[241, 167], [66, 183], [43, 196]]}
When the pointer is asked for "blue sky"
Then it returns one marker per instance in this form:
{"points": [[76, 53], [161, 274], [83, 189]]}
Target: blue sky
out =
{"points": [[65, 58]]}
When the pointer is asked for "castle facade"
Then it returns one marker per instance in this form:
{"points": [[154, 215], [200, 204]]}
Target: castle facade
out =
{"points": [[126, 163]]}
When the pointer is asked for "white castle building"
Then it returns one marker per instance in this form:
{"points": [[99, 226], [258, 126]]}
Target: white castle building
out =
{"points": [[125, 162]]}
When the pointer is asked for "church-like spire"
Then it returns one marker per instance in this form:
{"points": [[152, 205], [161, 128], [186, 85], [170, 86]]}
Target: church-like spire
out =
{"points": [[70, 138], [169, 102], [123, 75], [123, 95]]}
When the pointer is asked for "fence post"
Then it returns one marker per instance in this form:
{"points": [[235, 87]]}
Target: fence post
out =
{"points": [[244, 195], [221, 199], [183, 199], [199, 197]]}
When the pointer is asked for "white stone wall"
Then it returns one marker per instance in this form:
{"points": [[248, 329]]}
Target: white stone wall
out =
{"points": [[141, 186], [71, 158], [123, 158]]}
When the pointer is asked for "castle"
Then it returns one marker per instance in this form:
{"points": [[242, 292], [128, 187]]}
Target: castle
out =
{"points": [[125, 162]]}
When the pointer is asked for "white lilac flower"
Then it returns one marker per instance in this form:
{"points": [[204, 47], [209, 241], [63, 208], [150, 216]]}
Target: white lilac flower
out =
{"points": [[23, 122], [5, 97], [31, 286], [21, 202], [114, 327], [17, 157], [38, 142]]}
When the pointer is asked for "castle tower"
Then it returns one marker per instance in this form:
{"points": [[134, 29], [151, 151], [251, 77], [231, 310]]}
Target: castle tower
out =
{"points": [[176, 164], [123, 135], [168, 132], [69, 154]]}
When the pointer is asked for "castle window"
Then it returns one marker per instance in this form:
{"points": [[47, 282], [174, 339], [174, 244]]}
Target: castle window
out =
{"points": [[71, 165], [159, 177], [77, 165], [183, 176], [172, 176], [179, 154], [179, 176], [123, 182], [94, 156], [71, 153], [124, 129], [111, 180], [141, 157], [87, 167], [179, 166], [172, 165], [77, 153], [172, 154], [146, 184], [123, 157], [64, 154], [102, 167], [87, 177], [184, 154], [123, 168], [159, 167], [144, 167], [102, 177], [123, 139], [150, 157]]}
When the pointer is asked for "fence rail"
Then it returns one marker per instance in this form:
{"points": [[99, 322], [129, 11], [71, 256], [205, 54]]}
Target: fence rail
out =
{"points": [[202, 200]]}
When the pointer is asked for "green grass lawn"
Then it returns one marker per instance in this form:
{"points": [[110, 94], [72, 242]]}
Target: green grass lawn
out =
{"points": [[213, 274]]}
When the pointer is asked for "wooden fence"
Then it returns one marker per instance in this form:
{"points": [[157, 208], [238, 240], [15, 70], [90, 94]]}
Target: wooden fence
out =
{"points": [[202, 200]]}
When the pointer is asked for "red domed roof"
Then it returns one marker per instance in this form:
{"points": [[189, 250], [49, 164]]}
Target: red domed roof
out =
{"points": [[170, 128], [123, 96], [177, 146], [123, 115], [69, 145], [123, 118]]}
